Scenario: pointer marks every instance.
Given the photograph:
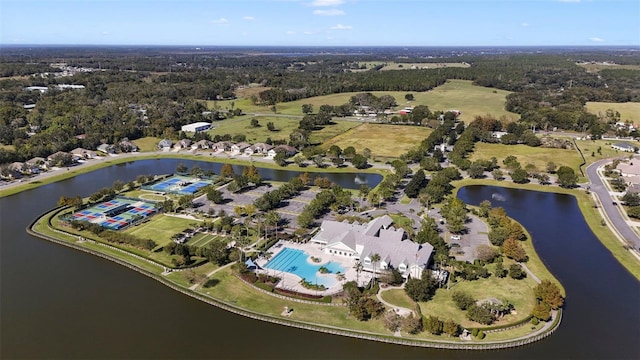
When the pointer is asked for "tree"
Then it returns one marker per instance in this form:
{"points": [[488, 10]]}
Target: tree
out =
{"points": [[500, 270], [280, 158], [392, 321], [375, 258], [227, 171], [412, 324], [462, 299], [307, 108], [480, 314], [181, 168], [217, 252], [118, 185], [497, 174], [349, 152], [271, 126], [519, 176], [255, 123], [214, 195], [415, 185], [433, 325], [567, 177], [485, 253], [512, 249], [451, 328], [551, 167], [358, 267], [631, 198], [475, 171], [409, 97], [549, 293], [421, 289], [516, 272], [359, 161], [541, 311]]}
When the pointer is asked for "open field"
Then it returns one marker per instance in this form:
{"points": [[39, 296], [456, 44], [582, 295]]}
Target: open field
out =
{"points": [[537, 156], [148, 143], [160, 228], [284, 127], [628, 111], [202, 239], [589, 147], [398, 297], [390, 65], [600, 66], [517, 292], [462, 95], [383, 140]]}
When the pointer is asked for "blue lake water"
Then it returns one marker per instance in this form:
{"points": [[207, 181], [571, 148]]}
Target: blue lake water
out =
{"points": [[296, 262]]}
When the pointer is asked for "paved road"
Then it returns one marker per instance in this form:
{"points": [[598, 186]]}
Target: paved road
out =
{"points": [[612, 211]]}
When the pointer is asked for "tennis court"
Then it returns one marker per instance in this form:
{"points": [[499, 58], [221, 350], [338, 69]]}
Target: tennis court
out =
{"points": [[116, 213], [178, 184]]}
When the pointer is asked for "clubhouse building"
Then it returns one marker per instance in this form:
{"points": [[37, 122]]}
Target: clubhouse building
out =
{"points": [[361, 241]]}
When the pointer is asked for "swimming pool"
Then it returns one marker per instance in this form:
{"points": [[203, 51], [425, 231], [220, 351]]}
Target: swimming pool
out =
{"points": [[295, 261]]}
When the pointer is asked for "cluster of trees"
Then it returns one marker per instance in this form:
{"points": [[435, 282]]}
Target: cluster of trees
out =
{"points": [[333, 198], [361, 306], [114, 237], [485, 312], [504, 232], [421, 289], [548, 296], [632, 200], [272, 199]]}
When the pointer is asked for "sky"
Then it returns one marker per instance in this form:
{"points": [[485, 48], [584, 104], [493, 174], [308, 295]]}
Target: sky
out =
{"points": [[321, 22]]}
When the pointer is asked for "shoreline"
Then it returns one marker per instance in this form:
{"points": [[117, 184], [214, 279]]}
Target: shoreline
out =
{"points": [[549, 328]]}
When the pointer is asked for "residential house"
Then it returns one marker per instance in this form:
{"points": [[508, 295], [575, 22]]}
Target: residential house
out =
{"points": [[222, 146], [361, 242], [239, 147], [260, 148], [36, 164], [127, 146], [165, 144], [83, 154], [60, 158], [202, 144], [106, 149], [288, 151], [184, 143]]}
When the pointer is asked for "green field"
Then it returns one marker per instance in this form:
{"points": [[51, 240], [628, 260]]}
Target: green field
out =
{"points": [[628, 111], [461, 95], [160, 228], [599, 66], [384, 141], [284, 127], [537, 156], [202, 239], [148, 143], [517, 292]]}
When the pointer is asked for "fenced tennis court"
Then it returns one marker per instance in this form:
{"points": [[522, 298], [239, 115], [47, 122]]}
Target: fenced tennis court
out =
{"points": [[116, 213], [179, 184]]}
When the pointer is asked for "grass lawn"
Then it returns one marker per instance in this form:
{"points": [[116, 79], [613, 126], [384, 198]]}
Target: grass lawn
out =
{"points": [[385, 141], [462, 95], [398, 297], [537, 156], [7, 147], [628, 111], [284, 127], [202, 239], [517, 292], [233, 291], [160, 228], [589, 147], [148, 143], [597, 67]]}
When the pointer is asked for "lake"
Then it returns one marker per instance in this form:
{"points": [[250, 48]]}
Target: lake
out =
{"points": [[60, 303]]}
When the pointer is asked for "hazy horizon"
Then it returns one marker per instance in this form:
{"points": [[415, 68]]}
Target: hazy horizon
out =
{"points": [[321, 23]]}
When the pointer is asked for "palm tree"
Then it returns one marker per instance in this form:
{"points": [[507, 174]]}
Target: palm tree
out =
{"points": [[358, 267], [273, 219], [241, 243], [374, 259]]}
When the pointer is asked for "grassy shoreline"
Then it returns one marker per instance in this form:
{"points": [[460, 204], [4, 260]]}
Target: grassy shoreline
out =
{"points": [[72, 172], [589, 213]]}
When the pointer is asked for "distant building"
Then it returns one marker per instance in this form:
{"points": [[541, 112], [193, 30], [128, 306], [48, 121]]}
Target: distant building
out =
{"points": [[196, 127], [623, 146], [165, 144]]}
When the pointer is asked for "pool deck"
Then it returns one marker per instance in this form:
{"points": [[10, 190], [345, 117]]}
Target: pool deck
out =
{"points": [[292, 282]]}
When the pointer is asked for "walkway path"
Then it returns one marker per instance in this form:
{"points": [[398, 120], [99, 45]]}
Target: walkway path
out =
{"points": [[402, 311], [533, 276], [195, 286]]}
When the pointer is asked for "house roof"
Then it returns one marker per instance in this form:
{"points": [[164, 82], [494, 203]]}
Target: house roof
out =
{"points": [[241, 145], [35, 161], [374, 237]]}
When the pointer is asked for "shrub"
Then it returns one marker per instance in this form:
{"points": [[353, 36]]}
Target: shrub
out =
{"points": [[462, 300], [474, 332], [516, 272], [481, 335], [535, 321]]}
